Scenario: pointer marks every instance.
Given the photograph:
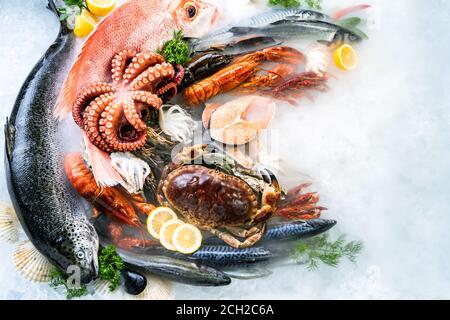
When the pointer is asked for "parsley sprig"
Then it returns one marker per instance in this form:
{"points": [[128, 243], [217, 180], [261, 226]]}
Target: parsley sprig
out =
{"points": [[59, 279], [110, 266], [176, 51]]}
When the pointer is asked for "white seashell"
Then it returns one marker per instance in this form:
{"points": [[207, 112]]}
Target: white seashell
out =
{"points": [[176, 123], [317, 59], [9, 224], [133, 170], [101, 288], [157, 289], [32, 264]]}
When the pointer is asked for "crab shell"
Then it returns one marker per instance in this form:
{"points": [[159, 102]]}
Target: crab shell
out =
{"points": [[212, 199]]}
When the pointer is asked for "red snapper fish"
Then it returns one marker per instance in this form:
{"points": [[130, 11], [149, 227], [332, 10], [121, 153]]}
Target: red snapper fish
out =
{"points": [[141, 25]]}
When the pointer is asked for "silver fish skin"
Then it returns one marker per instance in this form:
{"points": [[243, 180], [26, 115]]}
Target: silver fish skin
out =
{"points": [[218, 255], [177, 270], [49, 210], [288, 231], [274, 15], [321, 31], [297, 230]]}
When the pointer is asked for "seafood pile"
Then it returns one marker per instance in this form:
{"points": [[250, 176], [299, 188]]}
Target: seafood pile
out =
{"points": [[176, 209]]}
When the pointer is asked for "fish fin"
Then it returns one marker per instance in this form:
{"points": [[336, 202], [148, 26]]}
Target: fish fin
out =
{"points": [[346, 11], [248, 273], [100, 161], [67, 95], [9, 138], [32, 264], [325, 42]]}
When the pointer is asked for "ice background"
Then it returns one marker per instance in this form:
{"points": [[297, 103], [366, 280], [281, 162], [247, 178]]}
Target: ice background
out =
{"points": [[376, 146]]}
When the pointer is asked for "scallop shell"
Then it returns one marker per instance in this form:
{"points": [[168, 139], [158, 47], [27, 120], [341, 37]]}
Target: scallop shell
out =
{"points": [[157, 289], [32, 264], [101, 287], [9, 225], [239, 121]]}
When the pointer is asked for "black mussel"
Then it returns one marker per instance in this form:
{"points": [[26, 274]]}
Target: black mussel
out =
{"points": [[134, 282]]}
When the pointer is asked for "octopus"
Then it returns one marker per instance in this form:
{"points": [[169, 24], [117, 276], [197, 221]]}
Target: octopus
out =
{"points": [[113, 115]]}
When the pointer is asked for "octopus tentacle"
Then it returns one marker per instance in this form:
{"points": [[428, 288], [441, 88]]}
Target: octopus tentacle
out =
{"points": [[83, 99], [150, 78], [148, 98], [133, 112], [180, 73], [167, 88], [120, 63], [110, 130], [113, 115], [92, 120], [140, 63]]}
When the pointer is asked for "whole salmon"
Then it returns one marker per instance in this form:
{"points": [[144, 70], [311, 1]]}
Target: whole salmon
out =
{"points": [[49, 210], [139, 25]]}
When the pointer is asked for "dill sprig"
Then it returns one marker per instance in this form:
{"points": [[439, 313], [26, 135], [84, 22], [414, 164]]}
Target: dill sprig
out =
{"points": [[312, 4], [321, 249], [59, 279]]}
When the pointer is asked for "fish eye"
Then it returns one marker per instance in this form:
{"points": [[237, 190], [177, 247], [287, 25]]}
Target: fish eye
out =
{"points": [[80, 255], [353, 37], [191, 10]]}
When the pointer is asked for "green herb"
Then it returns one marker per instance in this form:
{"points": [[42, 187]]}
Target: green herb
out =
{"points": [[78, 3], [321, 249], [63, 14], [176, 50], [312, 4], [110, 266], [59, 279]]}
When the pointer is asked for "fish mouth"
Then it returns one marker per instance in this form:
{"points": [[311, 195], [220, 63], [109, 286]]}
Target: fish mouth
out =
{"points": [[90, 274]]}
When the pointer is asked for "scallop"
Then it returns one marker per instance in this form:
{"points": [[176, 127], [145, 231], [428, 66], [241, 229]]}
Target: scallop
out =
{"points": [[32, 264], [9, 224]]}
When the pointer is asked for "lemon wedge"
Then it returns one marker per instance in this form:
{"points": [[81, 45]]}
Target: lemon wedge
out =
{"points": [[166, 233], [345, 57], [187, 238], [157, 218], [84, 24], [101, 7]]}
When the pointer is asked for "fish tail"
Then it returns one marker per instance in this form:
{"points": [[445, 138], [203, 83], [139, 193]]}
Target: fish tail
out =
{"points": [[105, 175]]}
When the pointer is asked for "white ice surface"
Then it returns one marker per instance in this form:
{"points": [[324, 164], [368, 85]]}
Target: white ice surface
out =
{"points": [[376, 145]]}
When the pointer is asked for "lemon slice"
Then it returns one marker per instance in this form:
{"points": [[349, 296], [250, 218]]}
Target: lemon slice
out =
{"points": [[84, 24], [187, 239], [345, 57], [101, 7], [157, 218], [166, 233]]}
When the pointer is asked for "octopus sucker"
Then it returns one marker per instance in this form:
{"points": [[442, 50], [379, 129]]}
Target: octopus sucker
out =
{"points": [[114, 115], [85, 97]]}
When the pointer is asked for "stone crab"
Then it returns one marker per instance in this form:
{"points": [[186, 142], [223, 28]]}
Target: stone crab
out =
{"points": [[213, 192]]}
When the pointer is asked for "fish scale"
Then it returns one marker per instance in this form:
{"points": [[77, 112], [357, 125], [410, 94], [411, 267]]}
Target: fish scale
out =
{"points": [[48, 209]]}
